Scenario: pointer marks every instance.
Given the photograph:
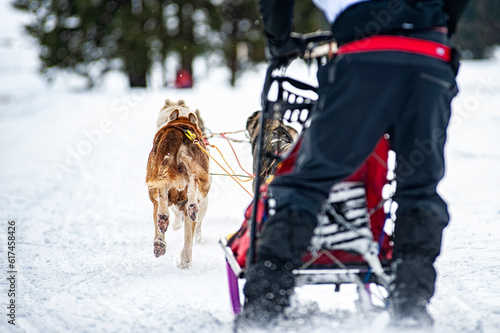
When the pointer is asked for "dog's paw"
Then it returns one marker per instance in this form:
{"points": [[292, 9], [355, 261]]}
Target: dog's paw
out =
{"points": [[193, 212], [185, 259], [163, 223], [184, 264], [159, 248]]}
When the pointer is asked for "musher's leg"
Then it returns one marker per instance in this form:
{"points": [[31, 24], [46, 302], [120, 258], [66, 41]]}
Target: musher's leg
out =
{"points": [[418, 139]]}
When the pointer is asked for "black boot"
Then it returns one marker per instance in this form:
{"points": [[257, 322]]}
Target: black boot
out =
{"points": [[267, 293], [410, 292], [417, 243], [284, 239]]}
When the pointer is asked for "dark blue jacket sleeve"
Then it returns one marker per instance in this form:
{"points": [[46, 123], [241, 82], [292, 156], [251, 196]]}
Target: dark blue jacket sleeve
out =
{"points": [[277, 16]]}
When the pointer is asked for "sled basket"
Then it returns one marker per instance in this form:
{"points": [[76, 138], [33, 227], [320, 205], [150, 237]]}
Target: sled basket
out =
{"points": [[291, 104]]}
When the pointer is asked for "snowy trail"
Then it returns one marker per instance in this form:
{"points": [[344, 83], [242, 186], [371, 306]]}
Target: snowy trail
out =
{"points": [[72, 174], [76, 189]]}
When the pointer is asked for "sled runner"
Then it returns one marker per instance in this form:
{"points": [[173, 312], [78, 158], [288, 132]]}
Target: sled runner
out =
{"points": [[349, 245]]}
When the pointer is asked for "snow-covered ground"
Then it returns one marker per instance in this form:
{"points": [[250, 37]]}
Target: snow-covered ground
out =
{"points": [[72, 169]]}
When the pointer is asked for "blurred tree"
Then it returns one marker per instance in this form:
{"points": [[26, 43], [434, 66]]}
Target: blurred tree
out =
{"points": [[239, 35], [479, 29], [239, 32], [86, 36], [66, 41], [189, 24], [138, 23], [91, 37], [308, 18]]}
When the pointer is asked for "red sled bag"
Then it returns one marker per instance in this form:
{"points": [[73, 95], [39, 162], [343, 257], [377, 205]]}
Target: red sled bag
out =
{"points": [[350, 225]]}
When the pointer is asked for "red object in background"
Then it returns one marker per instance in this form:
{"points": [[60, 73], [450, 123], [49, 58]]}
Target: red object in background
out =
{"points": [[183, 79]]}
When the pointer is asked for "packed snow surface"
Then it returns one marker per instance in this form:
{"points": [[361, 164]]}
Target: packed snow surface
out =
{"points": [[72, 177]]}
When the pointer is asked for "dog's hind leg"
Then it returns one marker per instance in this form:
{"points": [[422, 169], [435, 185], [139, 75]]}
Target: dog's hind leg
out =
{"points": [[187, 250], [190, 217], [203, 210], [192, 196], [159, 243], [163, 220], [163, 212]]}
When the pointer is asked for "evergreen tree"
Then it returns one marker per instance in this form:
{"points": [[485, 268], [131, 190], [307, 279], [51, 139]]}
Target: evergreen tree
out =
{"points": [[479, 29], [189, 24], [138, 24], [87, 36], [91, 37], [239, 37], [71, 35]]}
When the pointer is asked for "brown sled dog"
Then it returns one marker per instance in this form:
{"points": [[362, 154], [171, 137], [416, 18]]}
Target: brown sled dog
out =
{"points": [[278, 138], [178, 177]]}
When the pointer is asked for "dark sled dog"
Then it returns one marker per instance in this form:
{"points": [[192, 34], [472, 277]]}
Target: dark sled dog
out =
{"points": [[278, 138]]}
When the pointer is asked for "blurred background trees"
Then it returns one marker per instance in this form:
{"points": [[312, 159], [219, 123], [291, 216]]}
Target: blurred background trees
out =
{"points": [[239, 39], [92, 37], [479, 30]]}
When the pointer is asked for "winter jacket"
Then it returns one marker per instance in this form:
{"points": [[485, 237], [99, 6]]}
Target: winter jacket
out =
{"points": [[358, 19]]}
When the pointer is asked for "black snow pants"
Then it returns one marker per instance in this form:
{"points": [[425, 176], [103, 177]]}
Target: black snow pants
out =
{"points": [[363, 96]]}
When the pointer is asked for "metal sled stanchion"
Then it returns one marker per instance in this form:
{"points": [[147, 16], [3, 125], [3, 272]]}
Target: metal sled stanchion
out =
{"points": [[260, 144]]}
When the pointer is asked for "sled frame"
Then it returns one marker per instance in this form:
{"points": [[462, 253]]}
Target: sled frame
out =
{"points": [[308, 276], [290, 108]]}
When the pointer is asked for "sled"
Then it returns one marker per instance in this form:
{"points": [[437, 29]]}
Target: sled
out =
{"points": [[350, 245]]}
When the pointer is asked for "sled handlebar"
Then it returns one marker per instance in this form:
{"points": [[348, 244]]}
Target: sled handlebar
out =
{"points": [[316, 45]]}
